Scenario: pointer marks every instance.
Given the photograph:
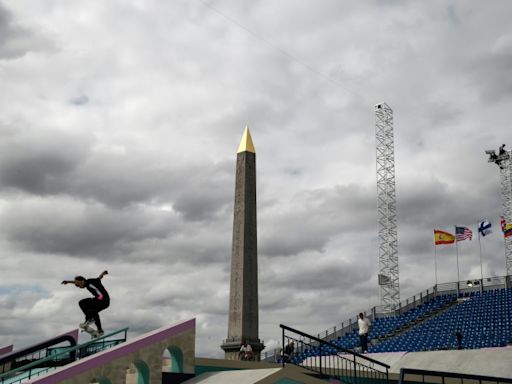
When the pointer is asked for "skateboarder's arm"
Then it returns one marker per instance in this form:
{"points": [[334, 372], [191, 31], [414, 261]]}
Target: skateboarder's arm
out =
{"points": [[103, 274], [68, 282]]}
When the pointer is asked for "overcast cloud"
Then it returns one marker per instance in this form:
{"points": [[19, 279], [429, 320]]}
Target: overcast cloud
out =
{"points": [[120, 122]]}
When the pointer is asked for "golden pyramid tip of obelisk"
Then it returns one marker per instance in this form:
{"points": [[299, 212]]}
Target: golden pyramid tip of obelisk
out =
{"points": [[246, 144]]}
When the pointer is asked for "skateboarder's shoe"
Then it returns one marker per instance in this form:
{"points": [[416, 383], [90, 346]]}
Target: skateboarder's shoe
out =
{"points": [[85, 325], [100, 333]]}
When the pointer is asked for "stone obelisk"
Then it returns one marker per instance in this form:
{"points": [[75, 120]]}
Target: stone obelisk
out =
{"points": [[243, 298]]}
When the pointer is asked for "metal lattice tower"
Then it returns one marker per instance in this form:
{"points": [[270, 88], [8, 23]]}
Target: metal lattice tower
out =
{"points": [[504, 160], [386, 206]]}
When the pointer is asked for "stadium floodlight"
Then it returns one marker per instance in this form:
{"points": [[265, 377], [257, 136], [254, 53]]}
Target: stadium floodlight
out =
{"points": [[386, 208], [503, 161]]}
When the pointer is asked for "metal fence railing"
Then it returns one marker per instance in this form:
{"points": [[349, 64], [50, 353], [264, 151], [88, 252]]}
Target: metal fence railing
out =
{"points": [[327, 360]]}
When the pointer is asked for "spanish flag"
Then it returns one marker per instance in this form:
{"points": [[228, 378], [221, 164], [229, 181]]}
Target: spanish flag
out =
{"points": [[441, 237]]}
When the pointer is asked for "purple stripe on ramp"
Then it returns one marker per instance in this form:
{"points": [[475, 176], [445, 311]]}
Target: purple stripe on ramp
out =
{"points": [[6, 349], [116, 352]]}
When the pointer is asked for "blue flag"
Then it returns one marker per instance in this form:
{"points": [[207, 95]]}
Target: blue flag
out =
{"points": [[484, 227]]}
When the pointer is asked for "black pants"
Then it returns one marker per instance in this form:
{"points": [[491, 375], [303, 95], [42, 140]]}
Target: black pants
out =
{"points": [[91, 307], [364, 342]]}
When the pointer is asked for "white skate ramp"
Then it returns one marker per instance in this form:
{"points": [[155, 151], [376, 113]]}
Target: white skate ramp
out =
{"points": [[246, 376]]}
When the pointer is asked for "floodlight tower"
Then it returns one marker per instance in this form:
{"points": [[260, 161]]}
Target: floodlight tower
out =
{"points": [[504, 161], [386, 207]]}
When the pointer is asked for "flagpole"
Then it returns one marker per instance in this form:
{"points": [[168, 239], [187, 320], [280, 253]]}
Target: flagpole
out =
{"points": [[457, 250], [435, 256], [480, 246], [435, 260]]}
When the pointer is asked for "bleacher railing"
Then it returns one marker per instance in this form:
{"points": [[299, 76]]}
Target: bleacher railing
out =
{"points": [[44, 365], [328, 360], [409, 375]]}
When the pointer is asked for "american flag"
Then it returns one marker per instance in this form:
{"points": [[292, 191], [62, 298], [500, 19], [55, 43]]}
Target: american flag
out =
{"points": [[463, 233]]}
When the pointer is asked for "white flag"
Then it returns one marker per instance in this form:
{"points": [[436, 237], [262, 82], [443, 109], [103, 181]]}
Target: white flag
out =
{"points": [[484, 227]]}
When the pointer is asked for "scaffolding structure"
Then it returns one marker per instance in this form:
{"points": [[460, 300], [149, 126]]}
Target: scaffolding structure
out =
{"points": [[504, 161], [386, 206]]}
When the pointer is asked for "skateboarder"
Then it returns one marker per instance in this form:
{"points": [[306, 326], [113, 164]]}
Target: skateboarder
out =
{"points": [[92, 305]]}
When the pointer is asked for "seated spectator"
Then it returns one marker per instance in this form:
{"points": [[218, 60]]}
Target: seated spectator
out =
{"points": [[246, 351], [289, 351]]}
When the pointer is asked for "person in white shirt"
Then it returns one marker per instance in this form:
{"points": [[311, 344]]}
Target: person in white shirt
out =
{"points": [[246, 351], [364, 329]]}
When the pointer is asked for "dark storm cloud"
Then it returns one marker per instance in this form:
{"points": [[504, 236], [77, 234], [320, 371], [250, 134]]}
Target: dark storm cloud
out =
{"points": [[314, 217], [53, 162], [425, 204], [16, 40], [424, 201], [491, 71], [9, 32], [321, 276], [119, 181], [468, 57], [206, 192], [77, 229], [139, 233], [37, 160]]}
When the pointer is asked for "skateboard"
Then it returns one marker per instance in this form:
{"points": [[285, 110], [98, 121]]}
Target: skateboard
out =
{"points": [[91, 331]]}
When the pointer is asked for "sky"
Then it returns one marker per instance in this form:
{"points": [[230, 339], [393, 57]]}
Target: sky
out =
{"points": [[119, 126]]}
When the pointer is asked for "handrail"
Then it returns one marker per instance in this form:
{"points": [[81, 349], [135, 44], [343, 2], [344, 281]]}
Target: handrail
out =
{"points": [[422, 372], [341, 349], [65, 351], [329, 360], [9, 358]]}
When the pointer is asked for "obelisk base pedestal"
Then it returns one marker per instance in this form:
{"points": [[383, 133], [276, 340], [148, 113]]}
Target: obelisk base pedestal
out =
{"points": [[232, 349]]}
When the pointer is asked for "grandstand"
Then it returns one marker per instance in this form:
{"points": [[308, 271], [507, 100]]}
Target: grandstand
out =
{"points": [[480, 310], [418, 333]]}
